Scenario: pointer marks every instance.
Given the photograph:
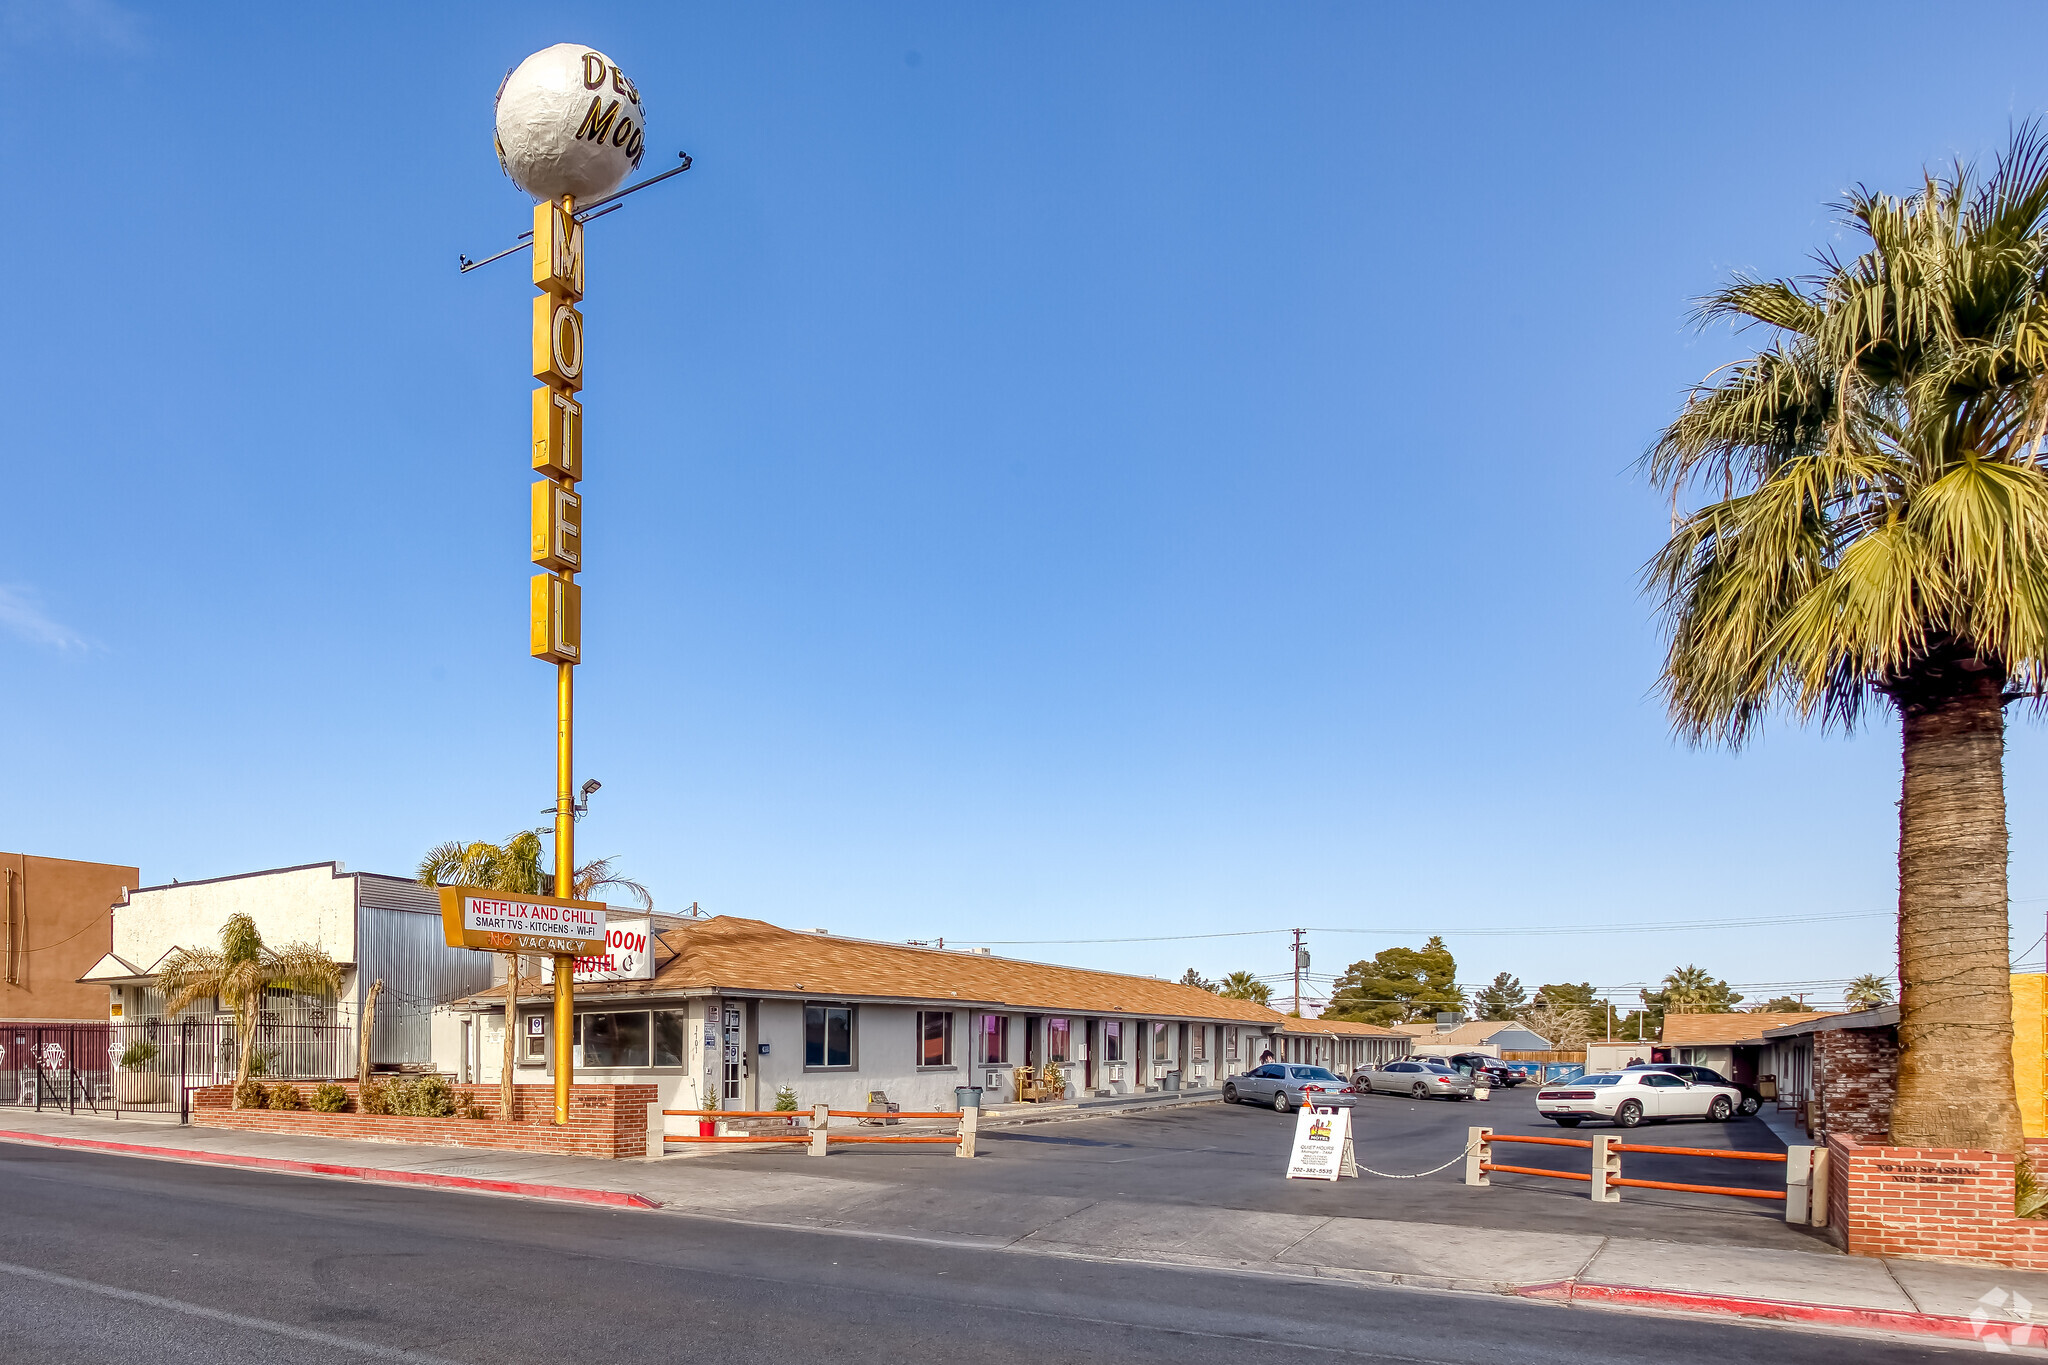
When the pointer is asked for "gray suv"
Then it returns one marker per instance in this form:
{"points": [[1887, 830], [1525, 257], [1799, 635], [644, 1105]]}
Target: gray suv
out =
{"points": [[1285, 1086]]}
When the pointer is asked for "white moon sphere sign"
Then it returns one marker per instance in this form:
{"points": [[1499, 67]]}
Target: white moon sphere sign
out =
{"points": [[569, 122]]}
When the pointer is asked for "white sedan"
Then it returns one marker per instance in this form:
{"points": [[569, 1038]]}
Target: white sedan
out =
{"points": [[1628, 1098]]}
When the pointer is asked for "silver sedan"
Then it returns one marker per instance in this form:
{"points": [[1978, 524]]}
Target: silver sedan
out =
{"points": [[1419, 1078], [1285, 1086]]}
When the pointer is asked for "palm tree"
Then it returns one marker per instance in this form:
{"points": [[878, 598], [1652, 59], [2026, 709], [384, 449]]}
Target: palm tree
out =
{"points": [[1881, 533], [240, 973], [515, 865], [1245, 986], [1868, 991]]}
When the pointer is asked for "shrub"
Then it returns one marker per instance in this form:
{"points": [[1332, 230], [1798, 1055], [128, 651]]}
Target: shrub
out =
{"points": [[250, 1094], [330, 1098], [284, 1095], [260, 1060], [138, 1055], [424, 1097], [785, 1099], [376, 1098], [466, 1107]]}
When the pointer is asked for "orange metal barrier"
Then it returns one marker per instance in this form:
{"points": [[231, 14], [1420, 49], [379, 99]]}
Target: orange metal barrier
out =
{"points": [[819, 1135], [1804, 1172], [1696, 1189], [1778, 1157], [1531, 1170]]}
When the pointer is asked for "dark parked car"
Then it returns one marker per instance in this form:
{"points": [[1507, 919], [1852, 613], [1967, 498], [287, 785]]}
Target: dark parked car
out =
{"points": [[1752, 1098], [1496, 1072]]}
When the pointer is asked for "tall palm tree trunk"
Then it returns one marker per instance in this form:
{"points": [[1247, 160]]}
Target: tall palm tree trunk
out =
{"points": [[1955, 1000]]}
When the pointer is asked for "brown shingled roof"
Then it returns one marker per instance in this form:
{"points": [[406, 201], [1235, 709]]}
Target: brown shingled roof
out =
{"points": [[753, 957], [1342, 1028], [1719, 1030]]}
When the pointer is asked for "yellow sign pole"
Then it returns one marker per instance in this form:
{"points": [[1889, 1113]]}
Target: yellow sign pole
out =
{"points": [[557, 602]]}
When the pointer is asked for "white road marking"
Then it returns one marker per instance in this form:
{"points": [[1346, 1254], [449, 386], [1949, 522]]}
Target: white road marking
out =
{"points": [[339, 1343]]}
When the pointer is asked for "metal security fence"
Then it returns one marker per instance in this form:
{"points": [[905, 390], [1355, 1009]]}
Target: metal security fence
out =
{"points": [[153, 1065]]}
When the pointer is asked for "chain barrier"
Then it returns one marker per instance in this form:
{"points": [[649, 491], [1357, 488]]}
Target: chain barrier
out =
{"points": [[1469, 1148]]}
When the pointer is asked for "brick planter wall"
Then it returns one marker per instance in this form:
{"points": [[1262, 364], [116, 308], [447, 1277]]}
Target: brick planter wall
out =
{"points": [[604, 1120], [1933, 1203], [1855, 1077]]}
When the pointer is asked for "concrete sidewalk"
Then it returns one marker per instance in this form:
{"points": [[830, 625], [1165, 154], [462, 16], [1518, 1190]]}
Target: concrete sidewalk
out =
{"points": [[1816, 1287]]}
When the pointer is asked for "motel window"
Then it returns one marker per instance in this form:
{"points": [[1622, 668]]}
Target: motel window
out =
{"points": [[1230, 1045], [1112, 1040], [1198, 1049], [935, 1038], [1160, 1043], [995, 1038], [670, 1028], [611, 1040], [828, 1035], [536, 1043], [1058, 1040]]}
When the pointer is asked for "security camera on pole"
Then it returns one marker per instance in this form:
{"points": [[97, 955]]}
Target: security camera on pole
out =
{"points": [[570, 129]]}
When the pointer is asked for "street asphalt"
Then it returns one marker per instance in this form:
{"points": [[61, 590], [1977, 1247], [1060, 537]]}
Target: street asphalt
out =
{"points": [[1235, 1156], [105, 1258]]}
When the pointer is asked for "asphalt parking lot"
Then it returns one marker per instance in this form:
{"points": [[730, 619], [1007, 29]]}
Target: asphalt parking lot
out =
{"points": [[1235, 1156]]}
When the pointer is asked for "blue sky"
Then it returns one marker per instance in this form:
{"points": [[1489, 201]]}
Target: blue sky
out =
{"points": [[1056, 472]]}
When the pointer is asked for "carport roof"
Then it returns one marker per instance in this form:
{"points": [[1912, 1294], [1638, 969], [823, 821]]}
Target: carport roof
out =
{"points": [[730, 955]]}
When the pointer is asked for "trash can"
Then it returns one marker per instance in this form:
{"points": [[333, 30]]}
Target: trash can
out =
{"points": [[967, 1097], [1169, 1080]]}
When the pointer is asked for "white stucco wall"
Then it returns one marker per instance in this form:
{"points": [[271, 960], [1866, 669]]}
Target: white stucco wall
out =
{"points": [[308, 904]]}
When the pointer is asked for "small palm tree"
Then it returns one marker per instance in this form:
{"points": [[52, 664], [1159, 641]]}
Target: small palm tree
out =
{"points": [[1245, 986], [516, 865], [1876, 529], [1868, 991], [240, 973]]}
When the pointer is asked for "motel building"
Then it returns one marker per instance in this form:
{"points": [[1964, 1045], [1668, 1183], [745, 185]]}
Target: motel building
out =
{"points": [[744, 1008]]}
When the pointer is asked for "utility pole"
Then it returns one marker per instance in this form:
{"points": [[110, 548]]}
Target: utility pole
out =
{"points": [[1297, 969]]}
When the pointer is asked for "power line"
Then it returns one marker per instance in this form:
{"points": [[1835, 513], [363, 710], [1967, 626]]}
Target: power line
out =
{"points": [[1504, 931]]}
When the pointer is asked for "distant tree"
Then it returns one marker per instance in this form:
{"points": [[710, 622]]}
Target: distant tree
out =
{"points": [[1565, 1026], [1867, 992], [1688, 990], [1783, 1004], [1501, 999], [1191, 977], [1245, 986], [1398, 984], [1579, 997]]}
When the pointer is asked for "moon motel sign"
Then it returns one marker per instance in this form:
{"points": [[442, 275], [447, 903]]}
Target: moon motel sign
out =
{"points": [[516, 922], [569, 129]]}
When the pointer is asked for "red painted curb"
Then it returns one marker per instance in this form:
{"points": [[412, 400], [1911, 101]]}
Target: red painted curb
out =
{"points": [[1831, 1315], [375, 1175]]}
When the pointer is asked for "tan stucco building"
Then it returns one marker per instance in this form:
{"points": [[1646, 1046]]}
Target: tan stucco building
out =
{"points": [[56, 920]]}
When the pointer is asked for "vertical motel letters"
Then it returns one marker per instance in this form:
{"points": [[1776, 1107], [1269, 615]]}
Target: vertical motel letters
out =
{"points": [[556, 614]]}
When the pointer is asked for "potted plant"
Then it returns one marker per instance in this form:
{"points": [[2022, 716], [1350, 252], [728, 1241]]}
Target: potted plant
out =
{"points": [[785, 1102], [1055, 1082], [706, 1125], [134, 1080]]}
